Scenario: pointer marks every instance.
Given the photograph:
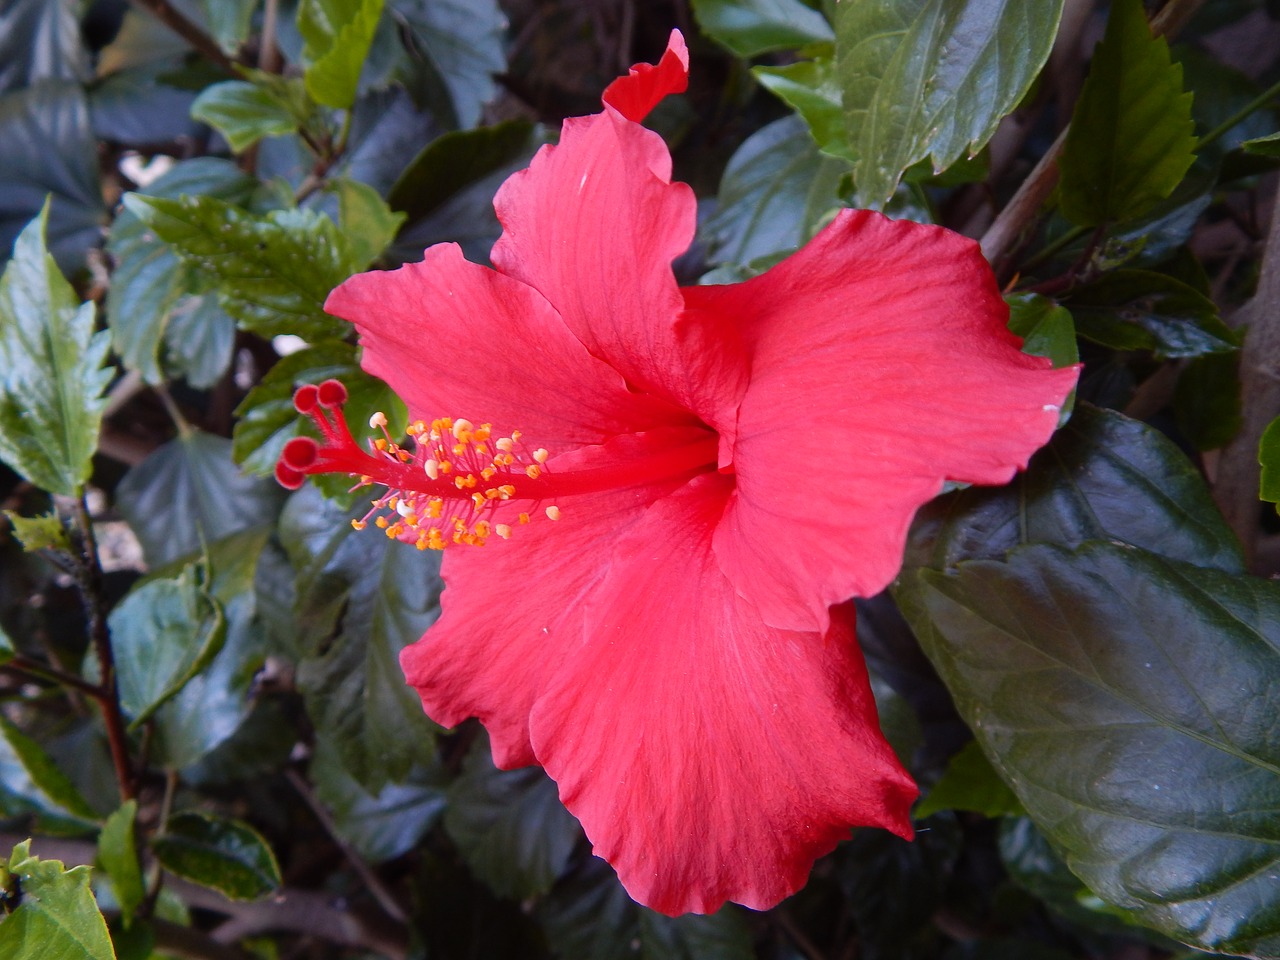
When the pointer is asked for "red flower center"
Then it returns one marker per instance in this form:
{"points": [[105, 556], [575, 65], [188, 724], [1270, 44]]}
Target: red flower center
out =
{"points": [[460, 484]]}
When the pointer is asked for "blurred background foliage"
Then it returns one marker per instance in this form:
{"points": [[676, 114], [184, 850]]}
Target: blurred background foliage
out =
{"points": [[1088, 685]]}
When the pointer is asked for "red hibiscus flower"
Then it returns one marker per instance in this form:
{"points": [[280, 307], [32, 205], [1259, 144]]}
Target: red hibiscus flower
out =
{"points": [[680, 490]]}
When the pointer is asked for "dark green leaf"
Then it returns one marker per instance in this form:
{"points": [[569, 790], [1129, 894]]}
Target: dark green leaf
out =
{"points": [[1269, 457], [361, 598], [214, 703], [1129, 700], [45, 783], [273, 272], [146, 306], [510, 826], [45, 532], [268, 420], [139, 108], [225, 855], [933, 79], [775, 193], [1046, 329], [1143, 310], [51, 370], [970, 783], [164, 633], [118, 855], [368, 224], [57, 918], [47, 149], [40, 40], [1264, 146], [453, 161], [1206, 401], [245, 112], [337, 35], [1131, 138], [384, 825], [188, 493], [812, 88], [6, 647], [461, 43], [1102, 476], [752, 27], [590, 917]]}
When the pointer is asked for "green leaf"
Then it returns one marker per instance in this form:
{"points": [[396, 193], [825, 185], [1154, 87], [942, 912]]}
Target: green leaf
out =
{"points": [[379, 826], [47, 783], [268, 420], [226, 855], [460, 44], [57, 918], [51, 375], [45, 532], [510, 826], [245, 112], [1206, 401], [453, 161], [1101, 477], [272, 272], [1129, 701], [148, 305], [368, 224], [749, 28], [118, 855], [229, 21], [361, 598], [970, 783], [1269, 457], [188, 493], [775, 193], [50, 120], [337, 35], [812, 88], [7, 650], [924, 79], [40, 40], [590, 917], [165, 632], [1046, 328], [1144, 310], [1131, 138], [1264, 146]]}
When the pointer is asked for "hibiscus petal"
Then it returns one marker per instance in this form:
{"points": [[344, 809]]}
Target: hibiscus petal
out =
{"points": [[882, 366], [709, 756], [500, 637], [644, 87], [594, 225], [453, 338]]}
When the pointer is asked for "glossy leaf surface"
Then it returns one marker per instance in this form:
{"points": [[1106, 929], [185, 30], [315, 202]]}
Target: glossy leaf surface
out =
{"points": [[57, 918], [753, 27], [226, 855]]}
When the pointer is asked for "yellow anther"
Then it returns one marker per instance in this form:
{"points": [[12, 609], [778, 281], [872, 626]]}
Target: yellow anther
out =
{"points": [[435, 508], [482, 528], [503, 531], [379, 419], [553, 512], [507, 491], [431, 468], [524, 518], [533, 471], [541, 455], [506, 459], [492, 494], [382, 522], [516, 435], [445, 466], [487, 473], [358, 524], [504, 444], [482, 432], [380, 445], [459, 448], [461, 426], [393, 502], [478, 500]]}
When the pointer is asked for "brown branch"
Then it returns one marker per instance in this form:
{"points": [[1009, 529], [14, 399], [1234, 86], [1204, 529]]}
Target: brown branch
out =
{"points": [[1236, 485], [107, 694], [172, 18]]}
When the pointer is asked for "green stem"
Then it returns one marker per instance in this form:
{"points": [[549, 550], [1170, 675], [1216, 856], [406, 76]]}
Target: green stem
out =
{"points": [[1049, 249], [1256, 103], [45, 672], [184, 428]]}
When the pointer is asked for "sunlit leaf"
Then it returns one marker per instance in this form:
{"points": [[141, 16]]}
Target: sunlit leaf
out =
{"points": [[924, 79], [337, 35], [57, 917], [245, 112], [1264, 146], [45, 532], [118, 856], [226, 855], [752, 27], [367, 223], [1269, 457], [812, 87], [48, 784], [1131, 138], [51, 370]]}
